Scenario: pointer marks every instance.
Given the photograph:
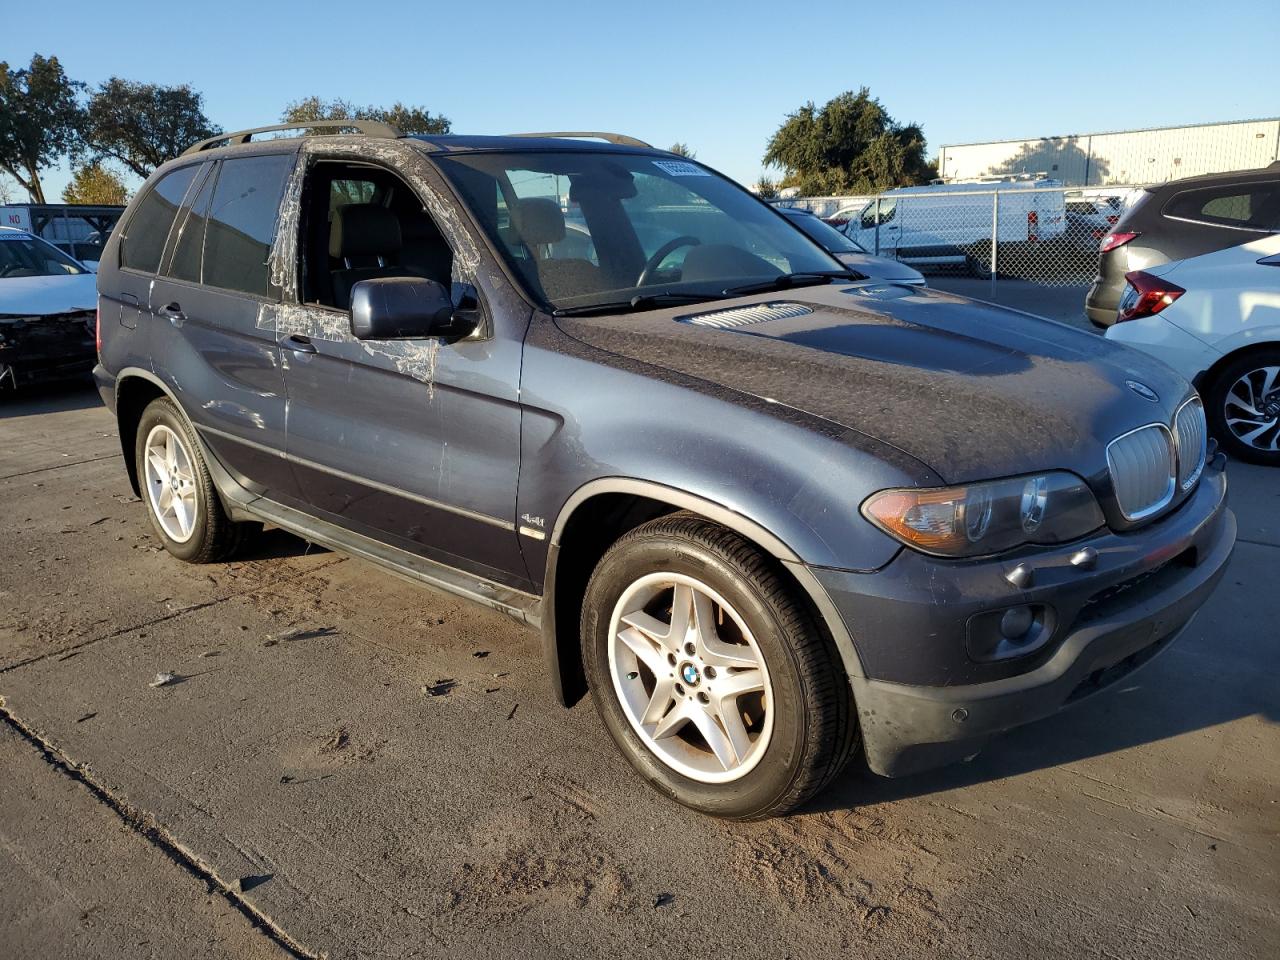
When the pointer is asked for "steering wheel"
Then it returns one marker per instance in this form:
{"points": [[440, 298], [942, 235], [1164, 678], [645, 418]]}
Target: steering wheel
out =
{"points": [[651, 265]]}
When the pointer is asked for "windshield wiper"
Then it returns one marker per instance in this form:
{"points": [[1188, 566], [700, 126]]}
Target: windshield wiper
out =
{"points": [[786, 281], [641, 301]]}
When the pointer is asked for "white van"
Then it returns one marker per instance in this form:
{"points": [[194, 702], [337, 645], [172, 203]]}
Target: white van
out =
{"points": [[951, 223]]}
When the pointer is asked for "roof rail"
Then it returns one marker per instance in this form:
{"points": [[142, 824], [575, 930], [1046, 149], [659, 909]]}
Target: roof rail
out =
{"points": [[369, 128], [617, 138]]}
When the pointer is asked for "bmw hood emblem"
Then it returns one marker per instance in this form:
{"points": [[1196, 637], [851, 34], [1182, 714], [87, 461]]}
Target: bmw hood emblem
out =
{"points": [[1142, 390]]}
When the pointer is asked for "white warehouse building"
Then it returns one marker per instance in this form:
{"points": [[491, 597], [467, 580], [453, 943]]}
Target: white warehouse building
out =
{"points": [[1129, 156]]}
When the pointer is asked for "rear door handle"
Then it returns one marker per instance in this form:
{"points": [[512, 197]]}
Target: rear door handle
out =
{"points": [[300, 344], [173, 311]]}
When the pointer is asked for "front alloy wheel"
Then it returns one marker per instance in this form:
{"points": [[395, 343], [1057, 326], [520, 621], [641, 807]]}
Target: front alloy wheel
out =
{"points": [[711, 673], [690, 677]]}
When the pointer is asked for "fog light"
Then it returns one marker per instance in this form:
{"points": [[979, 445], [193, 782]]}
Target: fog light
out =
{"points": [[1016, 622], [1012, 632]]}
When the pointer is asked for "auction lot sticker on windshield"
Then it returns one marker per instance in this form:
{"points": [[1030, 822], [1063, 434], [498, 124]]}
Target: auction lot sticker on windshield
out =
{"points": [[15, 235], [678, 168]]}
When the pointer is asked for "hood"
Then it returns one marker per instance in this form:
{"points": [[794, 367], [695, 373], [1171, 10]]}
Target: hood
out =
{"points": [[41, 296], [880, 268], [971, 390]]}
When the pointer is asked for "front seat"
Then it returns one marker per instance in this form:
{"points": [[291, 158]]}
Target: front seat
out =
{"points": [[366, 239], [539, 223]]}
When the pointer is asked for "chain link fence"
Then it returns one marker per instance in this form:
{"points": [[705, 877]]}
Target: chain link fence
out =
{"points": [[1047, 236]]}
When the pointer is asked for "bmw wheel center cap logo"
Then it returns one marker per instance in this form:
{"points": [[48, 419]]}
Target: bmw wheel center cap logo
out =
{"points": [[690, 674], [1142, 390]]}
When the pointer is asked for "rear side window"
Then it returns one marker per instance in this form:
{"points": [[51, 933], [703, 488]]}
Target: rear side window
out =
{"points": [[343, 192], [241, 223], [144, 239], [190, 247], [1248, 206]]}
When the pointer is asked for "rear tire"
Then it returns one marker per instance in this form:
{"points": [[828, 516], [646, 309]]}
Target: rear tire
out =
{"points": [[1245, 387], [742, 755], [178, 492], [978, 260]]}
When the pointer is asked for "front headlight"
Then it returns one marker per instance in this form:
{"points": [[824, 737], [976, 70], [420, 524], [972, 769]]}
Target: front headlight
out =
{"points": [[984, 518]]}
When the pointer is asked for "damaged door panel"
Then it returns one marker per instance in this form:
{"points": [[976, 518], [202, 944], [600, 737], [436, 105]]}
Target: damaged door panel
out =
{"points": [[413, 441]]}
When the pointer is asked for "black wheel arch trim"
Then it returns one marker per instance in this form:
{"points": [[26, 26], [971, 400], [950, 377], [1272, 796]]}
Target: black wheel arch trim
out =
{"points": [[560, 653]]}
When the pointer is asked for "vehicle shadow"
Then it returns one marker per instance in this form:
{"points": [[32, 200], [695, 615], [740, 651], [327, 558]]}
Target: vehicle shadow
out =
{"points": [[277, 544], [48, 398], [1177, 693]]}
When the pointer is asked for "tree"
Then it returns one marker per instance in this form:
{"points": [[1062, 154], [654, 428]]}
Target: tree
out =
{"points": [[681, 150], [850, 145], [143, 124], [404, 118], [766, 189], [95, 184], [39, 119]]}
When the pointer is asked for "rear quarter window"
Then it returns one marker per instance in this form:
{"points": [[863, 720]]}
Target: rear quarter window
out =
{"points": [[241, 223], [143, 241], [1245, 206]]}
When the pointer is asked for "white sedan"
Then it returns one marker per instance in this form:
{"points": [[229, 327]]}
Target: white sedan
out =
{"points": [[48, 307], [1216, 320]]}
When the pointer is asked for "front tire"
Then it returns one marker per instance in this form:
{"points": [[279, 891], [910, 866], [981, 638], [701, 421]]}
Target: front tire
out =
{"points": [[1243, 407], [710, 674], [178, 492]]}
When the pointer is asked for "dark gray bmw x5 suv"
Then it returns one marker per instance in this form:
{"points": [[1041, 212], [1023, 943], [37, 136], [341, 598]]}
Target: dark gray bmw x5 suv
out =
{"points": [[769, 513]]}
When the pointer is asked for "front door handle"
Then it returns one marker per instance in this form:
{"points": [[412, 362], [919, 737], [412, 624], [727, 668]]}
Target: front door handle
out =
{"points": [[300, 344]]}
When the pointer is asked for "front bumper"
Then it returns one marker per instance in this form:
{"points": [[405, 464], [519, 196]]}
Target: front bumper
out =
{"points": [[46, 349], [923, 702]]}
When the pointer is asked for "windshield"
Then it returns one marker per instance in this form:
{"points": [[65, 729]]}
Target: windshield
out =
{"points": [[595, 228], [23, 255], [825, 234]]}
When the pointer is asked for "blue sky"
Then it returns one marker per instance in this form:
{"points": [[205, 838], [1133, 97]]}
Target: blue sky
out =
{"points": [[719, 76]]}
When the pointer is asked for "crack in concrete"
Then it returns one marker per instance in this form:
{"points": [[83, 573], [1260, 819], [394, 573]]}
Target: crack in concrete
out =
{"points": [[58, 466], [65, 653], [150, 829], [1258, 543]]}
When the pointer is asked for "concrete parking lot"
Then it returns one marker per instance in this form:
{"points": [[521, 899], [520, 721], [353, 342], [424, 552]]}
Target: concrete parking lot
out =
{"points": [[1063, 303], [351, 766]]}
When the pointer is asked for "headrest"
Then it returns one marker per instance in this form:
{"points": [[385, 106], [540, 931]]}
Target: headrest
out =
{"points": [[363, 230], [538, 220]]}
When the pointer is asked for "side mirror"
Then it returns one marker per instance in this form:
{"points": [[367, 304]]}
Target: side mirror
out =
{"points": [[406, 308]]}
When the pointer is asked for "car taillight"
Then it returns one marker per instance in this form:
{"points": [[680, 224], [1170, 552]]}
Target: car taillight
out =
{"points": [[1113, 240], [97, 330], [1033, 226], [1145, 296]]}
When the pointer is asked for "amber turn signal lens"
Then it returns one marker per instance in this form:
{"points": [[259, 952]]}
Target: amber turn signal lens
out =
{"points": [[980, 519]]}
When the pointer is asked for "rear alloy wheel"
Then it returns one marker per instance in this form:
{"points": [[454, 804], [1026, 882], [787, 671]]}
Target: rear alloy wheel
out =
{"points": [[710, 673], [176, 487], [171, 483], [1244, 407]]}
